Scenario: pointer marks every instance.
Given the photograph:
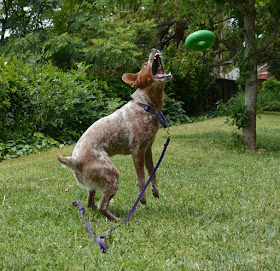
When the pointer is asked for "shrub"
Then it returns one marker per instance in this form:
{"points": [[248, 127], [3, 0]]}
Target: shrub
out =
{"points": [[46, 100], [20, 147], [269, 96], [235, 110], [67, 103], [13, 96], [173, 111]]}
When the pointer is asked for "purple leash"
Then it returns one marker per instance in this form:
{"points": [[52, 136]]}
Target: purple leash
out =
{"points": [[99, 240]]}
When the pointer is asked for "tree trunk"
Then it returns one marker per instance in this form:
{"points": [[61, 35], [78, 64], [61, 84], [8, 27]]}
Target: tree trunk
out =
{"points": [[249, 131], [179, 33]]}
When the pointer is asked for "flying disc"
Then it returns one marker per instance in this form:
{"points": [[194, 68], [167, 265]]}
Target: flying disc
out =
{"points": [[200, 40]]}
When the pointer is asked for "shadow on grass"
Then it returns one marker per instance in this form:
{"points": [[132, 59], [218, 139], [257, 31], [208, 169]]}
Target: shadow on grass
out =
{"points": [[267, 139]]}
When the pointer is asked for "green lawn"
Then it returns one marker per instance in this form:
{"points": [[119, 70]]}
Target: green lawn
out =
{"points": [[219, 207]]}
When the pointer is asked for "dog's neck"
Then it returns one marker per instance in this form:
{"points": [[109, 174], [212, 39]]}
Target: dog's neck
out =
{"points": [[152, 98]]}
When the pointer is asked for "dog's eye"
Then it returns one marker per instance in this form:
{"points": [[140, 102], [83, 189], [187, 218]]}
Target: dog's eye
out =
{"points": [[144, 66]]}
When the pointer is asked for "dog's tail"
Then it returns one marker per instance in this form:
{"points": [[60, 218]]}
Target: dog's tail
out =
{"points": [[69, 162]]}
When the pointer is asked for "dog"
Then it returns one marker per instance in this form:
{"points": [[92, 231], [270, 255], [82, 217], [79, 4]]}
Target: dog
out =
{"points": [[129, 130]]}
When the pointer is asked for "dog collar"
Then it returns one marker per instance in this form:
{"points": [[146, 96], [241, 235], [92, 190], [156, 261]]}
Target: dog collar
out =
{"points": [[155, 113]]}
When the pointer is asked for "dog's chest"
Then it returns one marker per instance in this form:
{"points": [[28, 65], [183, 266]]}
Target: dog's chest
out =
{"points": [[132, 128]]}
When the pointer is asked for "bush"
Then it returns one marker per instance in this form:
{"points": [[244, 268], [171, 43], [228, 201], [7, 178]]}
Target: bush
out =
{"points": [[46, 100], [20, 147], [173, 111], [67, 103], [13, 96], [235, 110], [269, 96]]}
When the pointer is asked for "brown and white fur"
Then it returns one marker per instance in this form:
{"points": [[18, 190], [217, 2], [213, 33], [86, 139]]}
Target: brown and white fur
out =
{"points": [[129, 130]]}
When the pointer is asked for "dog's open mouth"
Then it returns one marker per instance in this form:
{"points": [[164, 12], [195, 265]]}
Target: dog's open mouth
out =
{"points": [[158, 70]]}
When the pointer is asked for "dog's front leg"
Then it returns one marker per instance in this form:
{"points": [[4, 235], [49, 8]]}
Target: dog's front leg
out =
{"points": [[139, 163], [150, 167]]}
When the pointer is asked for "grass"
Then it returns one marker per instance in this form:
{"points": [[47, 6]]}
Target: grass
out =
{"points": [[218, 208]]}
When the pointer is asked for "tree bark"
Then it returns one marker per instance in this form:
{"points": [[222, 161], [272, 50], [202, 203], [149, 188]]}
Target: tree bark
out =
{"points": [[179, 32], [249, 131]]}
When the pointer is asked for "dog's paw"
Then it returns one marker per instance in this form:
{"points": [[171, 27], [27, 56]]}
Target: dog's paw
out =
{"points": [[92, 206], [143, 201], [117, 219], [155, 192]]}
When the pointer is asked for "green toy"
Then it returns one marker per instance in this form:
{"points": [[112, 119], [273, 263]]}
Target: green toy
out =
{"points": [[200, 40]]}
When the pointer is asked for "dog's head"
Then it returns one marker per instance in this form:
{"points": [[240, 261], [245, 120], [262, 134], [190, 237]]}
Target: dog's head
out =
{"points": [[152, 73]]}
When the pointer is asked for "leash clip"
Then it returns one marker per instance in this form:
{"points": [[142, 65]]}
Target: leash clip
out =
{"points": [[156, 112], [167, 129]]}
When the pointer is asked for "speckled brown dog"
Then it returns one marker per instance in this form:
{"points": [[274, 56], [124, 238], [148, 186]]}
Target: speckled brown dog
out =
{"points": [[129, 130]]}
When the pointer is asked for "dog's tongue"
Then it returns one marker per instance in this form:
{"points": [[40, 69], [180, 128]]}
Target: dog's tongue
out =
{"points": [[160, 72]]}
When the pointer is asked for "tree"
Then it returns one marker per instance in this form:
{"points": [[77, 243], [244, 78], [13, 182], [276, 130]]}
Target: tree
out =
{"points": [[5, 7], [248, 12], [19, 17]]}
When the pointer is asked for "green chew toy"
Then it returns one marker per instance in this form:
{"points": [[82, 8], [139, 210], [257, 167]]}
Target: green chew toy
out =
{"points": [[200, 40]]}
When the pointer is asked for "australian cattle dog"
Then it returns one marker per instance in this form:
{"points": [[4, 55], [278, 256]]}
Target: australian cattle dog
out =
{"points": [[129, 130]]}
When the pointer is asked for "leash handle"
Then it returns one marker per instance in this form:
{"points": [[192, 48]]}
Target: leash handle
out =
{"points": [[99, 240]]}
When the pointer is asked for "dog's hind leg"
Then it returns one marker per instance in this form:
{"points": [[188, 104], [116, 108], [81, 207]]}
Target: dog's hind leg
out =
{"points": [[150, 167], [90, 198], [103, 206], [109, 177], [139, 163]]}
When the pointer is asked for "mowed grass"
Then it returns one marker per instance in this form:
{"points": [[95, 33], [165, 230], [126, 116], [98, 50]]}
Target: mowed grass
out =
{"points": [[218, 209]]}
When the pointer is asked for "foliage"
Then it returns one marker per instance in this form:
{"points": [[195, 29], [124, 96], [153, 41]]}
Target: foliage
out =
{"points": [[44, 99], [26, 146], [63, 50], [269, 96], [173, 111], [22, 17], [268, 100], [245, 64], [13, 96], [235, 110], [83, 32], [193, 80], [274, 67], [110, 38]]}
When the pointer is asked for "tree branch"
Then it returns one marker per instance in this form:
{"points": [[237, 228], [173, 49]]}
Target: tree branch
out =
{"points": [[74, 20], [221, 64], [224, 20], [272, 36]]}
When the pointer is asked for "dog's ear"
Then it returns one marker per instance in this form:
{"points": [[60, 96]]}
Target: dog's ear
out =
{"points": [[130, 78]]}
